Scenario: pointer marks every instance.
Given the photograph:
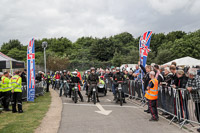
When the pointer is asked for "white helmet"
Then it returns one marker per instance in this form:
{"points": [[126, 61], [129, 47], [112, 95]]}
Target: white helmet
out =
{"points": [[74, 73]]}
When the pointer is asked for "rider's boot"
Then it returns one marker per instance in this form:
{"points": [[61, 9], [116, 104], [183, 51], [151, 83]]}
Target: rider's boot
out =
{"points": [[80, 95], [124, 101], [115, 97], [88, 98]]}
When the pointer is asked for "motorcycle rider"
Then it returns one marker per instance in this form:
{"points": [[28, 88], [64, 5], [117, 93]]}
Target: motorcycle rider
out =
{"points": [[93, 80], [65, 77], [86, 82], [118, 77], [56, 76], [75, 79], [48, 80]]}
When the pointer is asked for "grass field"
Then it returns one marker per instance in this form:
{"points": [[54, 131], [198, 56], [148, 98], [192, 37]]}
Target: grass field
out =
{"points": [[28, 121]]}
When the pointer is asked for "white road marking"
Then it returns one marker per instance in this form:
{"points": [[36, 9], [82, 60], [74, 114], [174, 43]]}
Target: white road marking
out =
{"points": [[109, 100], [102, 110], [92, 105]]}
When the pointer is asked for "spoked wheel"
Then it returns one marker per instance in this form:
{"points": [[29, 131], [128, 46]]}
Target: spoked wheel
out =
{"points": [[94, 97], [75, 97], [120, 98]]}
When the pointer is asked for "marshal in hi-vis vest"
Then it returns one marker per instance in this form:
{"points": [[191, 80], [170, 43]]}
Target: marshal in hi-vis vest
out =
{"points": [[5, 84], [152, 93], [16, 82]]}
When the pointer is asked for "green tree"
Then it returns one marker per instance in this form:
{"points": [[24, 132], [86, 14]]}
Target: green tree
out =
{"points": [[117, 59], [6, 47], [17, 54]]}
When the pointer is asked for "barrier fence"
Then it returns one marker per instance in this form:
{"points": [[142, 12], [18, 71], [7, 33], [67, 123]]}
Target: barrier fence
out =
{"points": [[179, 104], [39, 89]]}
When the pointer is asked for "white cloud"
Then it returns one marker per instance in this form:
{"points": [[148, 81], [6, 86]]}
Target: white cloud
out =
{"points": [[24, 19], [168, 6]]}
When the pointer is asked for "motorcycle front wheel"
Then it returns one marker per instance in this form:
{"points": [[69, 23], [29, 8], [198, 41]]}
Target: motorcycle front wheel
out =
{"points": [[94, 97], [75, 97], [120, 98]]}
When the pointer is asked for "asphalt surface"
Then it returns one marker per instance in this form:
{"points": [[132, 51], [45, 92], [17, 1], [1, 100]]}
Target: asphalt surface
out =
{"points": [[130, 118]]}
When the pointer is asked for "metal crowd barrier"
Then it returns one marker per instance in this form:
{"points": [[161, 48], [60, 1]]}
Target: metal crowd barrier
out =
{"points": [[183, 106], [39, 89]]}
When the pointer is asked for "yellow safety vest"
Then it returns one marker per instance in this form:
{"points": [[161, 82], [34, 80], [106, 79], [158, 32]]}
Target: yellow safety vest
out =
{"points": [[1, 84], [5, 84], [101, 81], [16, 82], [0, 87]]}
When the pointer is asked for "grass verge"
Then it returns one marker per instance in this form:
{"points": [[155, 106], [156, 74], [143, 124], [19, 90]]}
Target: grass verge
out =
{"points": [[28, 121]]}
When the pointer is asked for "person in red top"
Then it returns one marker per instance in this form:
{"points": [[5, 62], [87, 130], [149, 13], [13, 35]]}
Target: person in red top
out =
{"points": [[56, 76], [79, 75]]}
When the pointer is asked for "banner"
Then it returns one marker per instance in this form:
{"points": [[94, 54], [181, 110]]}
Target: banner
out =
{"points": [[144, 45], [31, 71]]}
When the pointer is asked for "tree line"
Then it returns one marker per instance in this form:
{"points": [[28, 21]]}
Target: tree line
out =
{"points": [[104, 52]]}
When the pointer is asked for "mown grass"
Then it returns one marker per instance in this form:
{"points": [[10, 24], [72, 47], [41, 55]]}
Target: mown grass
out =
{"points": [[28, 121]]}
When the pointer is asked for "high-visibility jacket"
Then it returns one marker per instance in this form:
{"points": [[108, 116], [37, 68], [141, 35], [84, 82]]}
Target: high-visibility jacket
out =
{"points": [[0, 87], [152, 93], [101, 81], [1, 84], [48, 78], [5, 84], [16, 82]]}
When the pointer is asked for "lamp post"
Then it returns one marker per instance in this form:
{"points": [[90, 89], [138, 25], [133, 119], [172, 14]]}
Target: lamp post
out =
{"points": [[44, 45]]}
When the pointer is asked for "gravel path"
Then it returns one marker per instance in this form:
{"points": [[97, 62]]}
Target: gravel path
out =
{"points": [[51, 121]]}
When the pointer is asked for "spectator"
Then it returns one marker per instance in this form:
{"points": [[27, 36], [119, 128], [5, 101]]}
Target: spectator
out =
{"points": [[23, 76], [181, 83], [193, 86], [174, 63], [39, 76], [130, 76], [157, 71], [146, 80], [136, 72], [165, 84], [126, 74], [174, 77]]}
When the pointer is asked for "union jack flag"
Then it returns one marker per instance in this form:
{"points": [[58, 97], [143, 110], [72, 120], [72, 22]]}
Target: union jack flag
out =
{"points": [[144, 45]]}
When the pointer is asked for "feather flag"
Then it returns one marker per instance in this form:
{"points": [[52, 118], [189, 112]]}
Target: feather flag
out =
{"points": [[144, 45], [31, 71]]}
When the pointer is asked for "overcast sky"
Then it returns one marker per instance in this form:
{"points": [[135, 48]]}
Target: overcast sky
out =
{"points": [[24, 19]]}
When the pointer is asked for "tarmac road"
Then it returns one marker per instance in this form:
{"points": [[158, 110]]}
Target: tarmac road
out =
{"points": [[130, 118]]}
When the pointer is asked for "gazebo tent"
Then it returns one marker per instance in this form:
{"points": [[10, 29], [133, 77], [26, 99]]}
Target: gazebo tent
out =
{"points": [[10, 63], [185, 61]]}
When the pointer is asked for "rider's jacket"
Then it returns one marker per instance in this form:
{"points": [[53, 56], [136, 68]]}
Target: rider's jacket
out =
{"points": [[93, 78], [64, 77], [118, 77], [75, 80]]}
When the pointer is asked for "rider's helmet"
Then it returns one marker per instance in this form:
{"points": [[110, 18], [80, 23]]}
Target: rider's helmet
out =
{"points": [[64, 71], [102, 77], [117, 69], [74, 73], [92, 68]]}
